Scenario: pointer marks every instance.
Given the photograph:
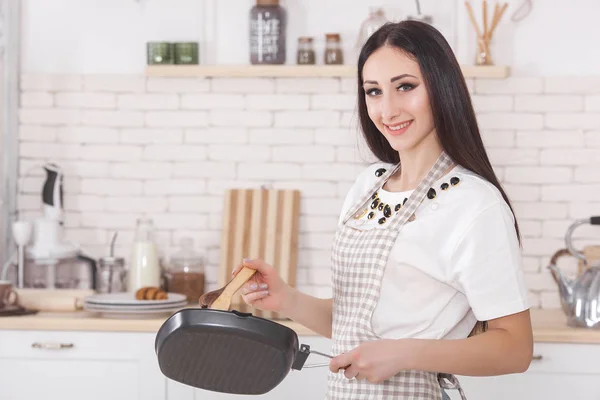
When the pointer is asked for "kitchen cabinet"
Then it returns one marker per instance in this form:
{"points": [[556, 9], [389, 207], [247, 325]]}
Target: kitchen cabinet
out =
{"points": [[96, 365], [79, 365], [559, 371]]}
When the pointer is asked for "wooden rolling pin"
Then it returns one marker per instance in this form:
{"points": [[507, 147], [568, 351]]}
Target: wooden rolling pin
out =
{"points": [[52, 300]]}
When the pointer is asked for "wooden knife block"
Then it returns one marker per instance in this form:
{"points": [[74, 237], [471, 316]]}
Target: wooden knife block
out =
{"points": [[260, 223]]}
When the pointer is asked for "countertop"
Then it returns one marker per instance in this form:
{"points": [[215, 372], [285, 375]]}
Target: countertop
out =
{"points": [[548, 325]]}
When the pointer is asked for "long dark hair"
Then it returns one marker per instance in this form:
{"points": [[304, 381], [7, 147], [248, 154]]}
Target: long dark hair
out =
{"points": [[449, 99]]}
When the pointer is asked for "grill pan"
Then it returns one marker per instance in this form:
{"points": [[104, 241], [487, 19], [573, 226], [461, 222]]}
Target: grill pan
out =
{"points": [[228, 351]]}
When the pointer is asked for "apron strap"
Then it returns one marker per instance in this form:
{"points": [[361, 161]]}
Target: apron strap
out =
{"points": [[449, 381]]}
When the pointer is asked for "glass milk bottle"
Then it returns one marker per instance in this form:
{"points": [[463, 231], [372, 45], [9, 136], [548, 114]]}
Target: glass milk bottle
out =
{"points": [[144, 267]]}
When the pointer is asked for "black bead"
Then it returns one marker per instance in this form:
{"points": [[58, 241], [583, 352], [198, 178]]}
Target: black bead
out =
{"points": [[398, 206], [445, 186], [374, 196], [454, 181], [374, 204], [371, 215], [405, 200], [380, 172], [380, 208], [381, 220], [431, 193], [387, 211]]}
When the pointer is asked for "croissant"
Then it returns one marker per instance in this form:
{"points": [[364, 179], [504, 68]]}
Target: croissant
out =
{"points": [[150, 293]]}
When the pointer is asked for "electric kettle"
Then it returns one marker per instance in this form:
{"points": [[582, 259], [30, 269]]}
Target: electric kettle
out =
{"points": [[579, 297]]}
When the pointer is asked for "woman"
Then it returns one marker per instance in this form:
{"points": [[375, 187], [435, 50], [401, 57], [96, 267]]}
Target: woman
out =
{"points": [[422, 252]]}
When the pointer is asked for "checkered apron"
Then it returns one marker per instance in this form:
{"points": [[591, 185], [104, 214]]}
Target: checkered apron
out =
{"points": [[359, 259]]}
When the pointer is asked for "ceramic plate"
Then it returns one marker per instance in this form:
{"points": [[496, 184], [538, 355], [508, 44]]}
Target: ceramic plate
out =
{"points": [[120, 314], [119, 307], [128, 299]]}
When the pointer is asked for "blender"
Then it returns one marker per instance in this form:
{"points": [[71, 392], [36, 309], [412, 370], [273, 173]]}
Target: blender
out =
{"points": [[51, 262]]}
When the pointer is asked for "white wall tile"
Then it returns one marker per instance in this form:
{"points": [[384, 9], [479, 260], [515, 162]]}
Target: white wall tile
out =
{"points": [[110, 153], [111, 187], [151, 135], [487, 103], [112, 118], [542, 103], [114, 83], [272, 102], [141, 170], [547, 139], [303, 154], [240, 118], [33, 82], [242, 85], [236, 152], [49, 116], [148, 101], [342, 102], [176, 119], [573, 120], [281, 136], [212, 101], [540, 175], [86, 100], [85, 134], [307, 85], [37, 99], [169, 152], [216, 135], [513, 85], [177, 85], [306, 119], [174, 187], [37, 133], [510, 121]]}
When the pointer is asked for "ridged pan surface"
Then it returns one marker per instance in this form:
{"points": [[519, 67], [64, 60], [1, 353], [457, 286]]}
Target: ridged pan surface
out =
{"points": [[225, 351]]}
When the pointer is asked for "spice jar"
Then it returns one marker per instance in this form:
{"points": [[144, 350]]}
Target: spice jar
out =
{"points": [[268, 21], [306, 52], [159, 53], [111, 275], [185, 273], [333, 49], [186, 53]]}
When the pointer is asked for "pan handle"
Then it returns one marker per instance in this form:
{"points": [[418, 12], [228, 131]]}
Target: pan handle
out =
{"points": [[302, 355]]}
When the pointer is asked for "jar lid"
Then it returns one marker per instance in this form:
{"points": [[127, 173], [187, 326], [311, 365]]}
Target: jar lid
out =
{"points": [[186, 257], [108, 260], [305, 39], [267, 2], [332, 37]]}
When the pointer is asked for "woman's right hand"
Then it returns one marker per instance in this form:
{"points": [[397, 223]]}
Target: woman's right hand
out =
{"points": [[265, 290]]}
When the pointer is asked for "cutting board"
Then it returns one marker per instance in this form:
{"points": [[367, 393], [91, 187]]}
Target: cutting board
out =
{"points": [[260, 223]]}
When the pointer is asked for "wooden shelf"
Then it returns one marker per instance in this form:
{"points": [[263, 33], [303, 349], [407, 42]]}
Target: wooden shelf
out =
{"points": [[294, 71]]}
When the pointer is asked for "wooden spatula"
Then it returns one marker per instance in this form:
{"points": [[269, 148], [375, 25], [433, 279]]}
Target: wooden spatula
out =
{"points": [[220, 299]]}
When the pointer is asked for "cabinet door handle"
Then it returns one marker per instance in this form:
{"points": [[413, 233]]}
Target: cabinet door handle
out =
{"points": [[52, 346], [536, 357]]}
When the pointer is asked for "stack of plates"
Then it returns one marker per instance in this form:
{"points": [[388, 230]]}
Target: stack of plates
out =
{"points": [[120, 305]]}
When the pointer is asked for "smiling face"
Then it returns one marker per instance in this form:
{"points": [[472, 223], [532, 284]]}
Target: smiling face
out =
{"points": [[397, 100]]}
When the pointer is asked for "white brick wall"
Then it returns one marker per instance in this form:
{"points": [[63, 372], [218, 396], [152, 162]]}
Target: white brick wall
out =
{"points": [[168, 148]]}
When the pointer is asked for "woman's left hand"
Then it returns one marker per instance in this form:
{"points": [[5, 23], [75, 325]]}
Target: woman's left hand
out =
{"points": [[374, 361]]}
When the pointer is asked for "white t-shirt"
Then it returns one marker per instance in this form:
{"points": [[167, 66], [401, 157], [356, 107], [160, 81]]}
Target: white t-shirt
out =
{"points": [[458, 262]]}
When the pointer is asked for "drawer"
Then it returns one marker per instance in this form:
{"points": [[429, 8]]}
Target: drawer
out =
{"points": [[75, 345], [565, 358]]}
